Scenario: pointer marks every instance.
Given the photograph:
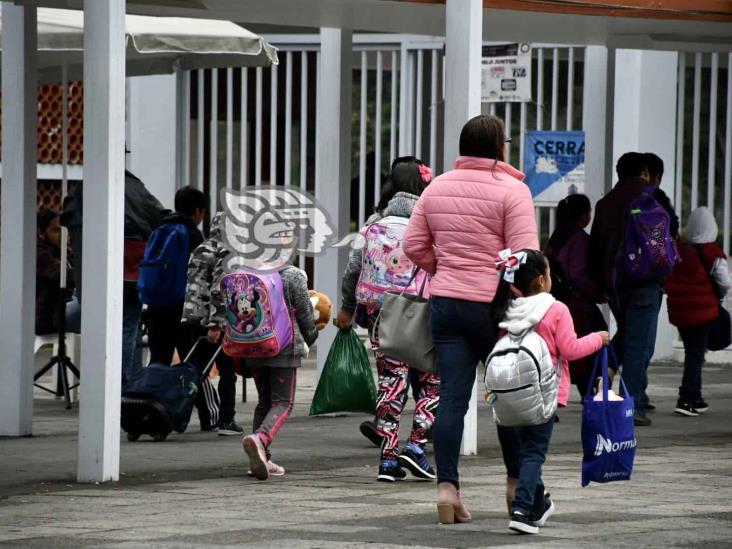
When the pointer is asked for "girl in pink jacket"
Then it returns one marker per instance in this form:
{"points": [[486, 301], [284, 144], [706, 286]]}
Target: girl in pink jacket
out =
{"points": [[523, 302]]}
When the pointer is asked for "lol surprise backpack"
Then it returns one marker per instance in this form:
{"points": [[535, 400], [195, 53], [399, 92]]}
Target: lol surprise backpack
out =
{"points": [[385, 267], [258, 321]]}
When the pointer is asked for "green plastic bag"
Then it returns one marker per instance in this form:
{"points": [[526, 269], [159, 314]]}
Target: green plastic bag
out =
{"points": [[346, 384]]}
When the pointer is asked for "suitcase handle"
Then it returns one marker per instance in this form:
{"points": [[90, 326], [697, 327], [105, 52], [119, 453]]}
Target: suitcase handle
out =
{"points": [[193, 348], [210, 364]]}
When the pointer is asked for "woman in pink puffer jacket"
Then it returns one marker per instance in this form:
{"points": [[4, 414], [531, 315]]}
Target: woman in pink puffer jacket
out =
{"points": [[461, 222]]}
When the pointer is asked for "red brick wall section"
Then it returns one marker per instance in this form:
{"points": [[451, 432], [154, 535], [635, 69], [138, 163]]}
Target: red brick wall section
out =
{"points": [[49, 124]]}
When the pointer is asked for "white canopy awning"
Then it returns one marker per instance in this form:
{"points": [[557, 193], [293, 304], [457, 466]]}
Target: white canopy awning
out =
{"points": [[154, 45]]}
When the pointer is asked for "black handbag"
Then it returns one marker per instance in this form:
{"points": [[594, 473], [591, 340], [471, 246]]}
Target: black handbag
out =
{"points": [[720, 334]]}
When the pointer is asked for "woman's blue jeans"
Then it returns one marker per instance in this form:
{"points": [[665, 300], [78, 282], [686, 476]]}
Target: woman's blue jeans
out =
{"points": [[464, 335]]}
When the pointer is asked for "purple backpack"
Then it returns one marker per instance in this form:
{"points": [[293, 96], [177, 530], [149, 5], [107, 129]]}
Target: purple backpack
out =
{"points": [[258, 320], [649, 251]]}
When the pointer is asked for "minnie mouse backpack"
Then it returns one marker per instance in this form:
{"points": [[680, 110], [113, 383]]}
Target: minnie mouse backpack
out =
{"points": [[258, 321]]}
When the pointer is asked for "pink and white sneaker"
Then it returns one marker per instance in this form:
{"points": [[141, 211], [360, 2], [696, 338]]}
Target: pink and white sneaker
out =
{"points": [[258, 463], [274, 470]]}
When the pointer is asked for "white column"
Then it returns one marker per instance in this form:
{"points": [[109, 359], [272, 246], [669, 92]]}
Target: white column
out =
{"points": [[18, 217], [154, 130], [463, 38], [333, 162], [183, 128], [645, 121], [101, 346], [597, 119]]}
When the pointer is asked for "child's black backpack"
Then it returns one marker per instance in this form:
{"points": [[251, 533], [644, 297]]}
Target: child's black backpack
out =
{"points": [[561, 288]]}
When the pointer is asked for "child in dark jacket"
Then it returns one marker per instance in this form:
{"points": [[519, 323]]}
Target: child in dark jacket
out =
{"points": [[694, 291], [166, 333], [216, 407], [567, 253], [48, 272]]}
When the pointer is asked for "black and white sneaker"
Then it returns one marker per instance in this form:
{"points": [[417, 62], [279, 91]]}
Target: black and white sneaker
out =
{"points": [[685, 409], [368, 429], [414, 459], [230, 429], [548, 510], [389, 471], [641, 419], [522, 524], [700, 405]]}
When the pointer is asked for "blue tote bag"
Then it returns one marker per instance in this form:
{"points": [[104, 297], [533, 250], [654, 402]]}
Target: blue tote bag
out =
{"points": [[608, 439]]}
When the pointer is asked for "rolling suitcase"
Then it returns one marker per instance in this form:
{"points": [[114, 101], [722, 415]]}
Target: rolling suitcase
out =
{"points": [[160, 398]]}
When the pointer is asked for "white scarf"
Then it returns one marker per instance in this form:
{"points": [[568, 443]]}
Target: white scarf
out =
{"points": [[526, 312]]}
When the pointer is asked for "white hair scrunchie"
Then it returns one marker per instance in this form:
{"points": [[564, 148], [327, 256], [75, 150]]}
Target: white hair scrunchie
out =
{"points": [[508, 263]]}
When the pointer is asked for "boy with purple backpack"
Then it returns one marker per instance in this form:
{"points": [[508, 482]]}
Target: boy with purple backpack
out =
{"points": [[631, 252]]}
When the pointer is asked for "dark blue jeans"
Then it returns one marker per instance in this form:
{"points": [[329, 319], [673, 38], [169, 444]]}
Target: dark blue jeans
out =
{"points": [[464, 335], [131, 310], [529, 444], [636, 313], [695, 346]]}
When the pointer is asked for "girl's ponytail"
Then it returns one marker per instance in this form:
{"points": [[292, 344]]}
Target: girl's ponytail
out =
{"points": [[501, 301]]}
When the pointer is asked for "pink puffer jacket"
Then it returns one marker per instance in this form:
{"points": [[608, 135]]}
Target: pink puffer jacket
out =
{"points": [[463, 219]]}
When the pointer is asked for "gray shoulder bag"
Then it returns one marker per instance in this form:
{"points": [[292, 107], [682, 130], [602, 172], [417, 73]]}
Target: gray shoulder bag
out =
{"points": [[404, 329]]}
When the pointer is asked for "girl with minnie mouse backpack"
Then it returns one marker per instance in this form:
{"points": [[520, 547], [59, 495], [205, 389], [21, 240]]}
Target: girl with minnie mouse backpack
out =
{"points": [[268, 321]]}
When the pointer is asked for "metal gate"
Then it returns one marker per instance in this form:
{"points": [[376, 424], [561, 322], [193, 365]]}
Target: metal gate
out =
{"points": [[256, 126]]}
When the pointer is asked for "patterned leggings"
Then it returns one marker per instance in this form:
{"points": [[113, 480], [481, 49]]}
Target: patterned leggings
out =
{"points": [[276, 391], [393, 389]]}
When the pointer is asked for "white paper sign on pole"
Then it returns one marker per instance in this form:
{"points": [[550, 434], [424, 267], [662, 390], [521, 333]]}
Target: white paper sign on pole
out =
{"points": [[506, 73]]}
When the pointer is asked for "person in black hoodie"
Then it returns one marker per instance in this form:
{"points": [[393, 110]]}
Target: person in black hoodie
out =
{"points": [[48, 272], [143, 214], [166, 333]]}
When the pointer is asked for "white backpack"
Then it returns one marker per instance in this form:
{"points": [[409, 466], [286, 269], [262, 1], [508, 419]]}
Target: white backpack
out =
{"points": [[520, 380]]}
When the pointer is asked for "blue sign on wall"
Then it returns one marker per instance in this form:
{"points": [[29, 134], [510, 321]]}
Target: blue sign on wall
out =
{"points": [[554, 164]]}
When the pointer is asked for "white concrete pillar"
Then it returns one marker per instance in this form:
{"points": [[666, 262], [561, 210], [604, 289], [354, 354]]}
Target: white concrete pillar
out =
{"points": [[333, 164], [463, 40], [597, 119], [152, 133], [18, 216], [104, 135], [645, 121], [645, 107]]}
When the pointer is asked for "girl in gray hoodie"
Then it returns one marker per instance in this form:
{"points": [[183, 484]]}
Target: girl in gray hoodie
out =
{"points": [[399, 196]]}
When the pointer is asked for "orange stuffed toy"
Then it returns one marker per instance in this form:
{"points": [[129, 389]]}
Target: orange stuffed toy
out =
{"points": [[322, 309]]}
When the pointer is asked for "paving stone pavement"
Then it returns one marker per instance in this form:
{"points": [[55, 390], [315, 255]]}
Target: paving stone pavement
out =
{"points": [[192, 490]]}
